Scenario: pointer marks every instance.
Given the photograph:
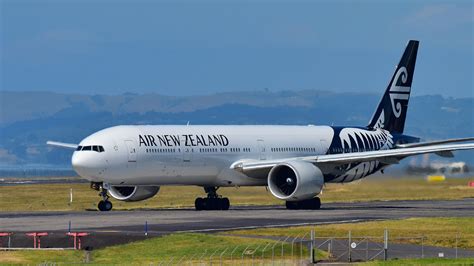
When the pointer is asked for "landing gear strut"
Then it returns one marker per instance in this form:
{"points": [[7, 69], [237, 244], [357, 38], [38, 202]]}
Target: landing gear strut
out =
{"points": [[310, 204], [212, 202], [104, 204]]}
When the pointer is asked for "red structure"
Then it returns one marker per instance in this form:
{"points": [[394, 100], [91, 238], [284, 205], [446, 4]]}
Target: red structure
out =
{"points": [[37, 238], [471, 183], [4, 234], [77, 238]]}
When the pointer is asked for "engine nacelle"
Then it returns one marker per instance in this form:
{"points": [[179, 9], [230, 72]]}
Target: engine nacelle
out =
{"points": [[135, 193], [295, 180]]}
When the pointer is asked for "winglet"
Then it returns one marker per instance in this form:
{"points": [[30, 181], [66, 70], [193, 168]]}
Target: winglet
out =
{"points": [[62, 144]]}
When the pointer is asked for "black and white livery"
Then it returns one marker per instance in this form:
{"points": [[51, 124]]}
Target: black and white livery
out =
{"points": [[130, 163]]}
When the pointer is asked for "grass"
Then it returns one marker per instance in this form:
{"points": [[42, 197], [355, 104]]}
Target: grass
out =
{"points": [[166, 249], [55, 197], [440, 231], [41, 256]]}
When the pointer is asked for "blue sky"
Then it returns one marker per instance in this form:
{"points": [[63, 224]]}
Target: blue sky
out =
{"points": [[186, 48]]}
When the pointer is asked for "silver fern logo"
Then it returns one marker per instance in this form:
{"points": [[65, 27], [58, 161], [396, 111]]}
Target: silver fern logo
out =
{"points": [[399, 93], [359, 140]]}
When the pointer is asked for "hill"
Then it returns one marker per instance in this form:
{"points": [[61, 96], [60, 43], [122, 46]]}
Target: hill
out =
{"points": [[28, 119]]}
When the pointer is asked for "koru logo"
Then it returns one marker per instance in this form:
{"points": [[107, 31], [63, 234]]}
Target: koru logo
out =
{"points": [[399, 93]]}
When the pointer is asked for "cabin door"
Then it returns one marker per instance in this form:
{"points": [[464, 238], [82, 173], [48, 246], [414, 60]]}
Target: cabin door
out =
{"points": [[132, 153]]}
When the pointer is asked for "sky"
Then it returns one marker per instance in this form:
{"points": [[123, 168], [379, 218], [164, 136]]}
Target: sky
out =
{"points": [[205, 47]]}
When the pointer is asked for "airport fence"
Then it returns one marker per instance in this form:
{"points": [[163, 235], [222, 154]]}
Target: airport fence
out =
{"points": [[304, 248]]}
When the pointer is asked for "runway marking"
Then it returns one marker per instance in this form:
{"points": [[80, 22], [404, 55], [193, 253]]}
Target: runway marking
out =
{"points": [[276, 225]]}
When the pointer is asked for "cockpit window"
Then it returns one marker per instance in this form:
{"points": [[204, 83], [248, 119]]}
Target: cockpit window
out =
{"points": [[87, 148], [96, 148]]}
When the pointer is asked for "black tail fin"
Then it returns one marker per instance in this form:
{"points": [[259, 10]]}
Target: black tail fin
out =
{"points": [[392, 109]]}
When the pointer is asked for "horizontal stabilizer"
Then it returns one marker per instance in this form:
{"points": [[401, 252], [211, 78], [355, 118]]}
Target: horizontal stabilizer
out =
{"points": [[62, 144]]}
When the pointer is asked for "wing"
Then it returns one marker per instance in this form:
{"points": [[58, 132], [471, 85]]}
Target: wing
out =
{"points": [[385, 156], [429, 143], [62, 144]]}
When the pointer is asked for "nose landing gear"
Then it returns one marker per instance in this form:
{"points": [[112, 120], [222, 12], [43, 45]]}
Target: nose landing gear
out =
{"points": [[104, 204], [212, 202]]}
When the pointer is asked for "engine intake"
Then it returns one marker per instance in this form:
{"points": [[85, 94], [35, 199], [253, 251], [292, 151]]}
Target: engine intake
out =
{"points": [[133, 193], [295, 180]]}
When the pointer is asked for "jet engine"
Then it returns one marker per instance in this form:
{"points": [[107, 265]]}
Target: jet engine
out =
{"points": [[135, 193], [295, 181]]}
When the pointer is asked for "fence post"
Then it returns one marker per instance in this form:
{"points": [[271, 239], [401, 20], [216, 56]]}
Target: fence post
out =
{"points": [[366, 249], [311, 253], [457, 237], [301, 249], [422, 247], [385, 244], [330, 247], [350, 241]]}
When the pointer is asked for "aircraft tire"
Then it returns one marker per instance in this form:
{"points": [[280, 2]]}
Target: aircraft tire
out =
{"points": [[198, 204], [292, 205], [104, 205], [225, 204], [214, 204], [210, 204], [310, 204]]}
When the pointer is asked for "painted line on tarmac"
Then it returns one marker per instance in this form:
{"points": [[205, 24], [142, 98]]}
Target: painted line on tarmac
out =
{"points": [[276, 226]]}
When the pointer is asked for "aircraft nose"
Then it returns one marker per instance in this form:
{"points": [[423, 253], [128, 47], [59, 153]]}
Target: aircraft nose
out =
{"points": [[87, 165]]}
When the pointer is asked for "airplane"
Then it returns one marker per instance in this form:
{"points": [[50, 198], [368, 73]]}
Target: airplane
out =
{"points": [[131, 162]]}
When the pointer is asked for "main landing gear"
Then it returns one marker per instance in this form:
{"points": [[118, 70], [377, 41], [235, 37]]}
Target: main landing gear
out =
{"points": [[310, 204], [104, 204], [212, 202]]}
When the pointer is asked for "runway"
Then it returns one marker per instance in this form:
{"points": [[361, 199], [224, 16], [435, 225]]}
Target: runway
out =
{"points": [[164, 221]]}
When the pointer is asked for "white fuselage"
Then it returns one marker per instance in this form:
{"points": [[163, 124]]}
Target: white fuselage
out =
{"points": [[192, 155]]}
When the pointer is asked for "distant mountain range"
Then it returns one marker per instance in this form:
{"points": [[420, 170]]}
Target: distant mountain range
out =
{"points": [[29, 119]]}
